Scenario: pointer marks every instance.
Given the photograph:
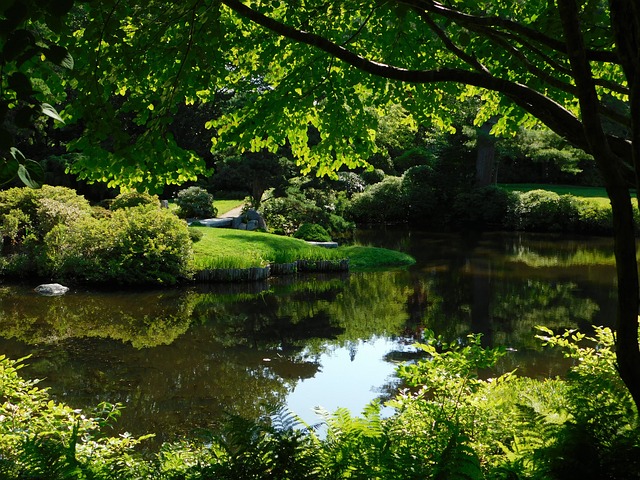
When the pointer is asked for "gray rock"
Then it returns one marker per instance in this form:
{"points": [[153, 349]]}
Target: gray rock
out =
{"points": [[252, 224], [324, 244], [236, 222], [215, 222], [254, 215], [51, 289]]}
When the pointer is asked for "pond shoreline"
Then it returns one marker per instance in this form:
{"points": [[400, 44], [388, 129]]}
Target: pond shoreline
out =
{"points": [[262, 273]]}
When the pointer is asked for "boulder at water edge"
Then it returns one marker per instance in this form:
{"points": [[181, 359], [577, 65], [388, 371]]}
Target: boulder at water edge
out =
{"points": [[51, 289]]}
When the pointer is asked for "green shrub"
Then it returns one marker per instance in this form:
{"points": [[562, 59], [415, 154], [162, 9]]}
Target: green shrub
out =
{"points": [[41, 209], [137, 245], [373, 176], [383, 202], [195, 202], [312, 232], [544, 211], [284, 215], [594, 218], [194, 234], [133, 199], [483, 207], [412, 158], [423, 197]]}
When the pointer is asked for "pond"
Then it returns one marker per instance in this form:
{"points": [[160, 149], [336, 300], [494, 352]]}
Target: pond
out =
{"points": [[180, 359]]}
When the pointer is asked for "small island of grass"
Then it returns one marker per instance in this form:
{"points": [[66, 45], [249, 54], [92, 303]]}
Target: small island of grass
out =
{"points": [[226, 249]]}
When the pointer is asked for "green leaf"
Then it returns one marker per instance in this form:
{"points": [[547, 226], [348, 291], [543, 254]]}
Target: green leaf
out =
{"points": [[25, 177], [49, 111], [59, 56]]}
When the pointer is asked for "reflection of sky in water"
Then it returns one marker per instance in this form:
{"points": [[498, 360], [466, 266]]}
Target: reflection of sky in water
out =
{"points": [[344, 383]]}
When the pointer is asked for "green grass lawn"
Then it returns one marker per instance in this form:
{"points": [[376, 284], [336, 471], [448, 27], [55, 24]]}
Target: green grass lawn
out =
{"points": [[227, 248]]}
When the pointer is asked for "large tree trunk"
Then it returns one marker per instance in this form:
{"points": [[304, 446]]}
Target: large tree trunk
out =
{"points": [[627, 353], [625, 21], [486, 155]]}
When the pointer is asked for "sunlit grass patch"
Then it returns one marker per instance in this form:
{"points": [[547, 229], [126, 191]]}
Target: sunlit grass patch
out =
{"points": [[227, 248]]}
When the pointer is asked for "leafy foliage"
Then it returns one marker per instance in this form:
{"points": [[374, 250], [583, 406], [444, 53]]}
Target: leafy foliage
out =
{"points": [[312, 232], [54, 233], [452, 422], [304, 202], [133, 199], [382, 202], [195, 202]]}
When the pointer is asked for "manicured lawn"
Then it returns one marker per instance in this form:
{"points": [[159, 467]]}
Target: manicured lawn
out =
{"points": [[227, 248]]}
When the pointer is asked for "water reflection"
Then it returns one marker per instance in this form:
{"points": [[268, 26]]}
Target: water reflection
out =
{"points": [[177, 359]]}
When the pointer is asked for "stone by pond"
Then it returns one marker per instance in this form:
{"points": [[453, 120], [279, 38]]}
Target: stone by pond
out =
{"points": [[51, 289]]}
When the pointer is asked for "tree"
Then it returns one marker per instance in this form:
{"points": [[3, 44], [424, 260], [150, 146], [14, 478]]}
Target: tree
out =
{"points": [[253, 173], [571, 65]]}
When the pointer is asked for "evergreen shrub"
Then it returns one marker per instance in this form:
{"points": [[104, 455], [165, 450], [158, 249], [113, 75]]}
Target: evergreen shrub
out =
{"points": [[195, 202], [423, 197], [285, 215], [373, 176], [55, 234], [484, 207], [384, 202], [544, 211], [312, 232], [134, 199]]}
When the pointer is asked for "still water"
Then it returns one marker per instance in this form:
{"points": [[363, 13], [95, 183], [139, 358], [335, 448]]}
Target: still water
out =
{"points": [[178, 359]]}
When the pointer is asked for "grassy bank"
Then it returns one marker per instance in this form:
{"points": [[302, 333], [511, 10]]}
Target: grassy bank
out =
{"points": [[226, 248]]}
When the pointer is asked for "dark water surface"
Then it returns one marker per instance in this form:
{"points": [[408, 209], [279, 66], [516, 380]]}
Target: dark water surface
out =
{"points": [[178, 359]]}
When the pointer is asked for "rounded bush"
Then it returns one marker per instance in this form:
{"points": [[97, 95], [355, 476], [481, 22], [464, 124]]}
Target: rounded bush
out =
{"points": [[133, 199], [485, 207], [195, 235], [195, 202], [312, 232], [373, 176], [421, 193], [412, 158], [383, 202], [137, 245], [541, 210], [27, 211]]}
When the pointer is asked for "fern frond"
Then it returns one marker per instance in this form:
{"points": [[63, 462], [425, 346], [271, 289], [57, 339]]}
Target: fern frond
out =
{"points": [[459, 460]]}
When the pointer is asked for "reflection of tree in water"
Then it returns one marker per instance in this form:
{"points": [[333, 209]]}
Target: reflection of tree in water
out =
{"points": [[141, 319], [517, 308]]}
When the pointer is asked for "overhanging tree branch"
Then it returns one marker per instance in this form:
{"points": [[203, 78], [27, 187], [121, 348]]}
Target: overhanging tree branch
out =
{"points": [[508, 25], [550, 112]]}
